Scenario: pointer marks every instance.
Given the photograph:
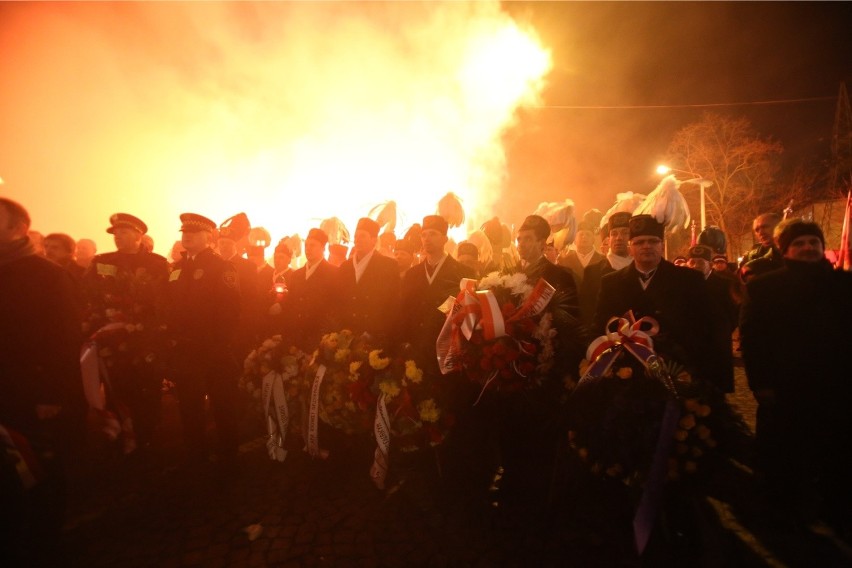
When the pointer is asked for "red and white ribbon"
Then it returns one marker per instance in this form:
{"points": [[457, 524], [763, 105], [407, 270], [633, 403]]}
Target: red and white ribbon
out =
{"points": [[277, 414], [479, 309], [381, 430], [96, 384]]}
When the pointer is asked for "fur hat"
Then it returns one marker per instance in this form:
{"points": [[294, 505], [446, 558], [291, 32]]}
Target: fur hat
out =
{"points": [[789, 230]]}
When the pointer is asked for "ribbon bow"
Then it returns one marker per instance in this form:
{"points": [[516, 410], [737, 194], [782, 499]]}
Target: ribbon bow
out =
{"points": [[627, 333]]}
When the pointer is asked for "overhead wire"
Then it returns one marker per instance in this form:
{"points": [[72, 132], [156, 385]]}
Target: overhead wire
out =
{"points": [[701, 105]]}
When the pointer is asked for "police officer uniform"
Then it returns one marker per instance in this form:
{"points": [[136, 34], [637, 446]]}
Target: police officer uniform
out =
{"points": [[129, 288], [203, 311]]}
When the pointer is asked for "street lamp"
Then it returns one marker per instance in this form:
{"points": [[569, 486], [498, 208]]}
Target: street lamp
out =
{"points": [[699, 181]]}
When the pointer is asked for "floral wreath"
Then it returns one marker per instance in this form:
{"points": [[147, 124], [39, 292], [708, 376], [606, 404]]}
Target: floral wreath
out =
{"points": [[498, 332], [619, 408], [272, 382]]}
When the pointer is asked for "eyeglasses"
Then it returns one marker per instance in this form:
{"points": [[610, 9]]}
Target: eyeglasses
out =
{"points": [[648, 241]]}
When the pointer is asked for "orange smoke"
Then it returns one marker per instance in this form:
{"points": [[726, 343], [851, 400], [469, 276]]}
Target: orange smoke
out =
{"points": [[291, 112]]}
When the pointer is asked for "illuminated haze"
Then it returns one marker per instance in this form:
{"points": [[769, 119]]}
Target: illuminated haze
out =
{"points": [[291, 112]]}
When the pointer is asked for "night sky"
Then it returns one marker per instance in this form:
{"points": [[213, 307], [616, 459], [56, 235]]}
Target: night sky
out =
{"points": [[672, 53]]}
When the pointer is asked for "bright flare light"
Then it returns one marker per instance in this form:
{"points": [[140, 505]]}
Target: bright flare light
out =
{"points": [[291, 112]]}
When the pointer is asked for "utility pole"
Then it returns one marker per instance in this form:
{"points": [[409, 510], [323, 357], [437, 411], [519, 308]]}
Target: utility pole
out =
{"points": [[841, 145]]}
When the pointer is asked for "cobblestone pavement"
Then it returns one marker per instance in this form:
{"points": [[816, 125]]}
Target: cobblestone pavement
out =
{"points": [[150, 509]]}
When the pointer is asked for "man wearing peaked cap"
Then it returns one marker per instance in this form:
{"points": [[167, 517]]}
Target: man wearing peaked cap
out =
{"points": [[369, 284], [119, 220], [192, 222], [203, 314], [128, 286], [309, 310]]}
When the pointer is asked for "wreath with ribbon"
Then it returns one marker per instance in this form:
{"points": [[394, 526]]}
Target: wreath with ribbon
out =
{"points": [[636, 417], [498, 332], [272, 383]]}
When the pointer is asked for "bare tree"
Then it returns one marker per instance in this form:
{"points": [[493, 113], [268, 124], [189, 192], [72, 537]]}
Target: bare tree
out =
{"points": [[741, 164]]}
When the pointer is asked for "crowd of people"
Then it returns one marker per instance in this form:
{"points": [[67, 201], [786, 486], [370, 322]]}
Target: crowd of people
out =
{"points": [[193, 319]]}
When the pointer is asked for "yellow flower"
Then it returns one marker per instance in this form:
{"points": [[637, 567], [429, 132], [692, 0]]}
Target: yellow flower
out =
{"points": [[624, 373], [681, 435], [376, 361], [583, 453], [691, 404], [341, 355], [354, 366], [330, 340], [614, 470], [412, 373], [429, 411], [389, 388], [703, 411], [687, 422], [703, 432]]}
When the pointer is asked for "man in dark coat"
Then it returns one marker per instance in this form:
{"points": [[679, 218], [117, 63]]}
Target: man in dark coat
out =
{"points": [[232, 242], [617, 257], [425, 287], [41, 398], [203, 312], [584, 254], [726, 314], [313, 296], [369, 285], [795, 333], [764, 256], [676, 297]]}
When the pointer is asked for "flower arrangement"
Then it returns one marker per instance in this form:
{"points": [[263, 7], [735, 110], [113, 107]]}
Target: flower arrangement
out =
{"points": [[273, 355], [417, 419], [272, 385], [499, 333], [356, 376], [345, 398], [618, 408]]}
